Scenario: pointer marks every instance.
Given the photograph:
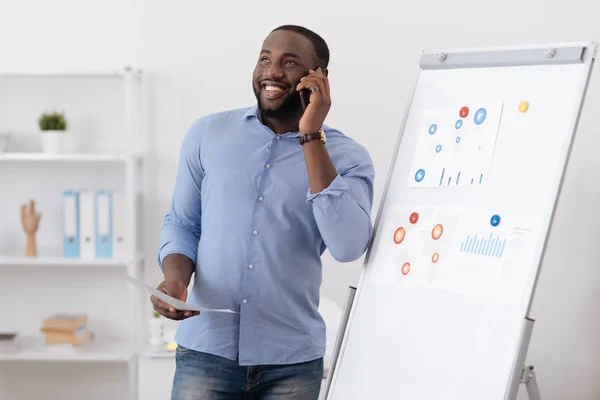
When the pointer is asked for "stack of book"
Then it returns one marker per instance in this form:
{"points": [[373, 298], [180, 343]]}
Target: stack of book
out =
{"points": [[8, 343], [67, 329]]}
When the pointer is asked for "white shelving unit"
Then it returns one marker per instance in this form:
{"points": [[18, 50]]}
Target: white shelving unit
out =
{"points": [[34, 350], [67, 262], [81, 157], [110, 156]]}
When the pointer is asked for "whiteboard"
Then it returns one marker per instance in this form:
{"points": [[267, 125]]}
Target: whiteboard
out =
{"points": [[468, 202]]}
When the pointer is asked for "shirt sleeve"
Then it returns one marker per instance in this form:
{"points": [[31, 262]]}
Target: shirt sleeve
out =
{"points": [[181, 228], [342, 210]]}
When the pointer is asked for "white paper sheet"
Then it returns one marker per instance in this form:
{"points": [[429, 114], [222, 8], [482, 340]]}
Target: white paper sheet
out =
{"points": [[493, 255], [177, 304], [455, 146], [414, 246], [483, 253]]}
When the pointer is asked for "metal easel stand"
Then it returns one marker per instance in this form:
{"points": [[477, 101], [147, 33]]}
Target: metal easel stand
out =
{"points": [[528, 378], [339, 338], [523, 375]]}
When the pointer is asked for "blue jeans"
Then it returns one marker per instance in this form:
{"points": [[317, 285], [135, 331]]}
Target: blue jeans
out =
{"points": [[201, 376]]}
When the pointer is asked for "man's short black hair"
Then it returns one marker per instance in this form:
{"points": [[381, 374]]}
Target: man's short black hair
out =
{"points": [[319, 45]]}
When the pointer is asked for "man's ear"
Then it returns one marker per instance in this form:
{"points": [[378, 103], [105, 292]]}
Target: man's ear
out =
{"points": [[322, 70]]}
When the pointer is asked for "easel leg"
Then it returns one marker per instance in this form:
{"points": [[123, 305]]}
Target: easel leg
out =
{"points": [[528, 378], [518, 373], [339, 339]]}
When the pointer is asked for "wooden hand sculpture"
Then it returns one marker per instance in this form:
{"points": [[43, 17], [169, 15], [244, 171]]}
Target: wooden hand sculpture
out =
{"points": [[30, 221]]}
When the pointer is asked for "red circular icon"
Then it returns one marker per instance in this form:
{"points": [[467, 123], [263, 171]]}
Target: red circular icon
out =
{"points": [[414, 217], [464, 112]]}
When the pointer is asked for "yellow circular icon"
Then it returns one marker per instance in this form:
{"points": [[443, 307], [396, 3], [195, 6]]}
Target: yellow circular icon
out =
{"points": [[523, 106]]}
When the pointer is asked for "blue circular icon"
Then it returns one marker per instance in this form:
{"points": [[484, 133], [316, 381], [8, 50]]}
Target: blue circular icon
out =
{"points": [[458, 139], [480, 116], [420, 175], [438, 148], [458, 124], [432, 129], [495, 220]]}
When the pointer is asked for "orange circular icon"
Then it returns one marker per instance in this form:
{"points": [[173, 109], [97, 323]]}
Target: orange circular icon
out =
{"points": [[405, 268], [399, 235], [437, 231], [435, 257]]}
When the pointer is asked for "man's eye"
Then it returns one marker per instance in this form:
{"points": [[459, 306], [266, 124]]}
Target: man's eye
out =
{"points": [[291, 62]]}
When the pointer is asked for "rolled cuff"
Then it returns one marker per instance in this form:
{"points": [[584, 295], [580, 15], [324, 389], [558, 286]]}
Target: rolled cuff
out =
{"points": [[177, 241]]}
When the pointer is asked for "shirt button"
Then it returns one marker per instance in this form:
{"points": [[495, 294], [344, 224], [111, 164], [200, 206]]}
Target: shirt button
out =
{"points": [[278, 137], [268, 165], [250, 266], [245, 301], [260, 198], [255, 232]]}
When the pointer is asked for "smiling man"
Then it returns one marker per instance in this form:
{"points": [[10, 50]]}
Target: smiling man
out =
{"points": [[260, 194]]}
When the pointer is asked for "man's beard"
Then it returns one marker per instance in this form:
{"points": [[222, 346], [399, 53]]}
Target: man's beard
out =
{"points": [[290, 108]]}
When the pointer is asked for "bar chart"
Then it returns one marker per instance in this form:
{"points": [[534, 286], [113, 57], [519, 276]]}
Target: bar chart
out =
{"points": [[447, 180], [490, 246]]}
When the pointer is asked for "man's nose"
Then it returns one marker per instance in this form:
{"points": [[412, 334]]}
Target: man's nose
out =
{"points": [[274, 72]]}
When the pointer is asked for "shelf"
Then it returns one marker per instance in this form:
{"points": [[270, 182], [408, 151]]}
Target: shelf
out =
{"points": [[108, 74], [156, 352], [36, 350], [64, 262], [67, 157]]}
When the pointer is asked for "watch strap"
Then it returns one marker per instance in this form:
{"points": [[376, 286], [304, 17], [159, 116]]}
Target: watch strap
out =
{"points": [[307, 137]]}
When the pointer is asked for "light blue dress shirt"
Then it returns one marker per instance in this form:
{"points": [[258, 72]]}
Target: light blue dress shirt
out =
{"points": [[243, 211]]}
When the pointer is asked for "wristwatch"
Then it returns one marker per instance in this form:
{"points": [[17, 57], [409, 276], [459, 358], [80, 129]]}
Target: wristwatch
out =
{"points": [[307, 137]]}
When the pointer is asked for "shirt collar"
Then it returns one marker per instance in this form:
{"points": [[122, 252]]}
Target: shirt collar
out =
{"points": [[254, 112], [251, 112]]}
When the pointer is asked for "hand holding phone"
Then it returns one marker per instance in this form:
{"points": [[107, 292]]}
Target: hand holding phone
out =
{"points": [[315, 98], [305, 93]]}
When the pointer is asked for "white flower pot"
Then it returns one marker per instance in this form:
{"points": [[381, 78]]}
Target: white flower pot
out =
{"points": [[155, 332], [53, 141]]}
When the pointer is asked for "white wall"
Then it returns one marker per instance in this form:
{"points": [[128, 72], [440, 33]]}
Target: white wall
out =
{"points": [[198, 57]]}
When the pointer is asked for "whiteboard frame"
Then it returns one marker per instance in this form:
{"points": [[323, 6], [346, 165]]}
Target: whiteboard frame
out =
{"points": [[535, 54]]}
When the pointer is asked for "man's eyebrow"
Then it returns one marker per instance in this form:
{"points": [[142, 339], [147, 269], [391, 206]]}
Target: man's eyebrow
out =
{"points": [[294, 55]]}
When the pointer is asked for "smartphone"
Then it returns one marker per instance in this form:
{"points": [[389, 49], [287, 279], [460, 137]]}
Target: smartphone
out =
{"points": [[305, 93]]}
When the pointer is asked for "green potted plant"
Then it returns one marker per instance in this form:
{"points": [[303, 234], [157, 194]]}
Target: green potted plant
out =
{"points": [[53, 126]]}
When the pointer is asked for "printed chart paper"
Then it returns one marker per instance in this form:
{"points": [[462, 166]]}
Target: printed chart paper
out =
{"points": [[172, 301], [414, 243], [465, 251], [455, 146], [494, 255]]}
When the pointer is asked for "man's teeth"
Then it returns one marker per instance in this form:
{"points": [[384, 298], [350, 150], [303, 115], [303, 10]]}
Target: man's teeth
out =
{"points": [[269, 88]]}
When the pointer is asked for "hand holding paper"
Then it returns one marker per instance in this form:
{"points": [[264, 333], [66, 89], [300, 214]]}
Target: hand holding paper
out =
{"points": [[177, 291], [172, 307]]}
